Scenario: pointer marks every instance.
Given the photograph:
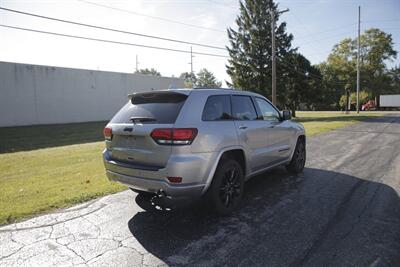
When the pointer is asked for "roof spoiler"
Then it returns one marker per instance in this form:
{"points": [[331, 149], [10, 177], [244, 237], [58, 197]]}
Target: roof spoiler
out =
{"points": [[181, 90]]}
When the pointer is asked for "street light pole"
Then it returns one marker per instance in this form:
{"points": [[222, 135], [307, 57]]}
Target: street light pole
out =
{"points": [[273, 54]]}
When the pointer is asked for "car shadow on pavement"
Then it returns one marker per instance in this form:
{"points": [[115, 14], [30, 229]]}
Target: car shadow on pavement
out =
{"points": [[313, 219]]}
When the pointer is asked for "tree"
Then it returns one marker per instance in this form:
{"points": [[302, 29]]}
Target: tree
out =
{"points": [[249, 65], [364, 97], [206, 78], [332, 87], [147, 71], [189, 79], [339, 70], [302, 84], [393, 81]]}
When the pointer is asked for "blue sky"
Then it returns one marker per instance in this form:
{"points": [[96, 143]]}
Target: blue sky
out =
{"points": [[316, 25]]}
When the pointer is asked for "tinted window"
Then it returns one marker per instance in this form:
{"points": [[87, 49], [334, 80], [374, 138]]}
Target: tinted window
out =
{"points": [[243, 108], [152, 107], [268, 112], [217, 108]]}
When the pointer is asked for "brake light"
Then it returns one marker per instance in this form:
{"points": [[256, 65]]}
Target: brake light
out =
{"points": [[107, 133], [171, 136], [175, 180]]}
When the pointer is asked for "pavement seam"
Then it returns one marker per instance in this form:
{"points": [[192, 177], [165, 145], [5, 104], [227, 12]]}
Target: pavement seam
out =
{"points": [[52, 224]]}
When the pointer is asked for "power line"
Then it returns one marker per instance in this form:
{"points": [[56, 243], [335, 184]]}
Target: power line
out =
{"points": [[325, 31], [306, 28], [326, 38], [340, 27], [110, 41], [153, 47], [110, 29], [223, 4], [152, 17], [380, 20], [303, 71]]}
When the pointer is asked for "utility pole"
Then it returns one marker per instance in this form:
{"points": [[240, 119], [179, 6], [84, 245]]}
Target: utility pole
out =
{"points": [[191, 66], [137, 64], [191, 60], [273, 54], [358, 61]]}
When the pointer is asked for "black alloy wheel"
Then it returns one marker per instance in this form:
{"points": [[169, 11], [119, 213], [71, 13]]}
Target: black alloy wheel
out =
{"points": [[299, 157], [229, 189], [226, 190]]}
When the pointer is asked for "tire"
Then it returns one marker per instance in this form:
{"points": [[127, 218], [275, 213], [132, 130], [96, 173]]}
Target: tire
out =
{"points": [[298, 161], [226, 190]]}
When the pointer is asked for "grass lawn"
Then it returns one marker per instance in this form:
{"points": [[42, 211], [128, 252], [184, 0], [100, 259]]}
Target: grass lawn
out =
{"points": [[320, 122], [47, 167]]}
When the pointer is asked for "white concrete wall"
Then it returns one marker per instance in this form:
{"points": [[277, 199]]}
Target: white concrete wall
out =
{"points": [[33, 94]]}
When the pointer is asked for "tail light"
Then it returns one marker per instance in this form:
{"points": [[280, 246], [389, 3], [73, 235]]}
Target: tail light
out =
{"points": [[107, 133], [172, 136], [175, 180]]}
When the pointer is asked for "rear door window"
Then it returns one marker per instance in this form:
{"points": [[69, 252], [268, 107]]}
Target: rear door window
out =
{"points": [[152, 108], [217, 108], [243, 108]]}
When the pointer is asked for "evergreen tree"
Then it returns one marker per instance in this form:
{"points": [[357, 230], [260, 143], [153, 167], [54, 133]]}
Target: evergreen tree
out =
{"points": [[250, 48], [303, 84]]}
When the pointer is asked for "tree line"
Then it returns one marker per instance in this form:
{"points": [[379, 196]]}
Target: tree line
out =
{"points": [[325, 86], [203, 78]]}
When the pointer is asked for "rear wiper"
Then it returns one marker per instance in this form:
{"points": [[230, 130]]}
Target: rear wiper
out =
{"points": [[141, 119]]}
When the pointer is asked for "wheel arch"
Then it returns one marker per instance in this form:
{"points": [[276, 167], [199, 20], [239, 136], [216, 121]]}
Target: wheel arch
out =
{"points": [[238, 153], [300, 136]]}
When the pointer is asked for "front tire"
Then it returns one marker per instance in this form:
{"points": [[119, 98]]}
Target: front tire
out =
{"points": [[298, 161], [226, 190]]}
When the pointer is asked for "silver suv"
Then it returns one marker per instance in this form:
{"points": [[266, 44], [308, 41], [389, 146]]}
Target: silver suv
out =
{"points": [[193, 143]]}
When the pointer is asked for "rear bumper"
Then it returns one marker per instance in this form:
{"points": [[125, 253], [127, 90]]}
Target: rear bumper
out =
{"points": [[154, 186], [194, 175]]}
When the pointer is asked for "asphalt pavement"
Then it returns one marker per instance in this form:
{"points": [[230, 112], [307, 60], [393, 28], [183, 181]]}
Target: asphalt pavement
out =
{"points": [[343, 210]]}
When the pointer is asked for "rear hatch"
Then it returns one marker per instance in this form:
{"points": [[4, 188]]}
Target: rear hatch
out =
{"points": [[131, 128]]}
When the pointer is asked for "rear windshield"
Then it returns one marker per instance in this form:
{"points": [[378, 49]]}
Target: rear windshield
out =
{"points": [[151, 107]]}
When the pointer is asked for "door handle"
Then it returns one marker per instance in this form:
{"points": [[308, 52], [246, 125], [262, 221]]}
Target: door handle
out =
{"points": [[242, 127]]}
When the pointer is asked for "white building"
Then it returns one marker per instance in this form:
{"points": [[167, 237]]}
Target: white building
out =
{"points": [[33, 94]]}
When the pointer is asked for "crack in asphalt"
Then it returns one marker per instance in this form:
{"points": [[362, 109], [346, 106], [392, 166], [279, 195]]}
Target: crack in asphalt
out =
{"points": [[73, 251]]}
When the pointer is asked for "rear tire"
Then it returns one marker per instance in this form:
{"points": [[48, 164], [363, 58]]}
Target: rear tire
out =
{"points": [[226, 190], [298, 161]]}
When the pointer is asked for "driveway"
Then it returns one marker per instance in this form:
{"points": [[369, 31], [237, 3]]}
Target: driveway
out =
{"points": [[344, 210]]}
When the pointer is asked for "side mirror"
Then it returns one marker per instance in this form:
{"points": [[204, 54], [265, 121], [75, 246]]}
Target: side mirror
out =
{"points": [[286, 115]]}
